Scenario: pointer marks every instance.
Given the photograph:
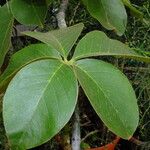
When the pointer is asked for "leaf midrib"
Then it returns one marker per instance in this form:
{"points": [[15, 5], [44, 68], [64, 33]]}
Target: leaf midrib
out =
{"points": [[108, 54], [59, 43]]}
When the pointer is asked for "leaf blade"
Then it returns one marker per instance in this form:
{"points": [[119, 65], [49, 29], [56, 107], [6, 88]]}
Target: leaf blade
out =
{"points": [[29, 12], [62, 39], [40, 114], [110, 94], [110, 13], [96, 43], [6, 25]]}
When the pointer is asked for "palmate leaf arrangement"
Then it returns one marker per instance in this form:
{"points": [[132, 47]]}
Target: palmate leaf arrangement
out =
{"points": [[43, 84]]}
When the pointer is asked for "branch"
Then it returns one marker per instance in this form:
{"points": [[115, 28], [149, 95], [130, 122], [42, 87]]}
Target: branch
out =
{"points": [[142, 145], [76, 135], [89, 134], [76, 138], [61, 14]]}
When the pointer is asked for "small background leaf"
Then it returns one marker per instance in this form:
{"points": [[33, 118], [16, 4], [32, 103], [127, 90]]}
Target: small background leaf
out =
{"points": [[6, 24], [110, 94], [110, 13], [29, 12], [39, 102]]}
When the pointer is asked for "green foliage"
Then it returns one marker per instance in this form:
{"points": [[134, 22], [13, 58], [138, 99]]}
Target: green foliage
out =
{"points": [[43, 83], [104, 47], [38, 96], [29, 12], [110, 13], [62, 39], [6, 24], [110, 94], [48, 92]]}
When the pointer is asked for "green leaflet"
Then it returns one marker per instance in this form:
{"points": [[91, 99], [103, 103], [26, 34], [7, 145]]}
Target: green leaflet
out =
{"points": [[110, 94], [6, 24], [96, 43], [38, 102], [62, 39], [110, 13], [29, 12], [22, 58]]}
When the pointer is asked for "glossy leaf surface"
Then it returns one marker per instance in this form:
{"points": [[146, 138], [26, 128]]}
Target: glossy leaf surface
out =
{"points": [[96, 43], [29, 12], [23, 57], [110, 13], [62, 39], [39, 102], [110, 94], [6, 24]]}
